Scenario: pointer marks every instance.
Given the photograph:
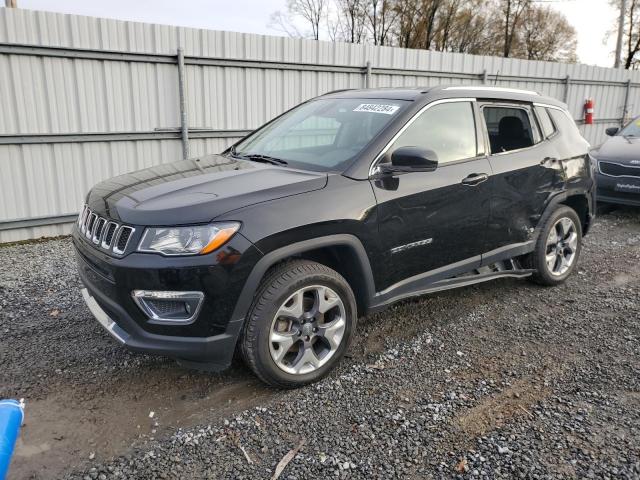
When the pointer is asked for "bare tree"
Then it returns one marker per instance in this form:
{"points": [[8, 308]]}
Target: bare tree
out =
{"points": [[470, 33], [352, 15], [310, 12], [381, 18], [546, 35], [283, 22], [446, 23], [631, 33], [406, 28], [429, 12], [512, 11], [333, 26], [512, 28]]}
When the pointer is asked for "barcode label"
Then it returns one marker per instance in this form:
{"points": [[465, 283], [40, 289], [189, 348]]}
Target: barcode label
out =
{"points": [[376, 108]]}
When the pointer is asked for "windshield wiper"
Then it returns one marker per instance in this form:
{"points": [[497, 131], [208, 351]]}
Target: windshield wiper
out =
{"points": [[257, 157]]}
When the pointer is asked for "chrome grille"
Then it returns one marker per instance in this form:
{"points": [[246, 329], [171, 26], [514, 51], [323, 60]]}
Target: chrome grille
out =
{"points": [[91, 221], [124, 234], [104, 233], [618, 170], [82, 216], [83, 220], [97, 231], [109, 232]]}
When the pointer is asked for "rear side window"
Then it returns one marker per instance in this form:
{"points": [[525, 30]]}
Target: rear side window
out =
{"points": [[509, 128], [546, 124], [447, 128]]}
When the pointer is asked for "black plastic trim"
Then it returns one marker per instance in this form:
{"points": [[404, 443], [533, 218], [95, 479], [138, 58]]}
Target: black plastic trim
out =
{"points": [[255, 277], [216, 351]]}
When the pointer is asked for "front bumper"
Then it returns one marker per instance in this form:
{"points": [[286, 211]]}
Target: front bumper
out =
{"points": [[210, 338], [618, 190], [216, 351]]}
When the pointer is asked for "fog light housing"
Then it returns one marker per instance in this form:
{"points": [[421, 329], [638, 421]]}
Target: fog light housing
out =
{"points": [[169, 308]]}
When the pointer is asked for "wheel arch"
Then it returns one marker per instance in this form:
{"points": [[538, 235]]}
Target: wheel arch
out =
{"points": [[580, 204], [342, 252], [579, 201]]}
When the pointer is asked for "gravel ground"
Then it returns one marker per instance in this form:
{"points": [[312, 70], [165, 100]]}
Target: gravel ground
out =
{"points": [[499, 380]]}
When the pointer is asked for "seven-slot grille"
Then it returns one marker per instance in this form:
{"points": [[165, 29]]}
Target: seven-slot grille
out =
{"points": [[104, 233], [618, 170]]}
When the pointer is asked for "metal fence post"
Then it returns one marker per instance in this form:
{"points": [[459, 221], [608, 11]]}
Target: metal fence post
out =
{"points": [[625, 108], [184, 125], [567, 83], [484, 76], [367, 75]]}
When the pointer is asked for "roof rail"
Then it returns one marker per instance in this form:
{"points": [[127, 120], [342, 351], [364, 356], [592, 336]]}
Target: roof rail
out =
{"points": [[338, 91], [494, 89]]}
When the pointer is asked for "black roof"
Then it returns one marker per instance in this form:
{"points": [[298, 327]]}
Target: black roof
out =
{"points": [[446, 91]]}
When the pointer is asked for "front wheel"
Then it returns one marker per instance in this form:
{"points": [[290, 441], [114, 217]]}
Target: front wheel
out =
{"points": [[300, 324], [558, 247]]}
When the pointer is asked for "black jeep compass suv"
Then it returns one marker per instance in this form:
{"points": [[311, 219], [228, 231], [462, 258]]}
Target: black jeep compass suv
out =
{"points": [[339, 207]]}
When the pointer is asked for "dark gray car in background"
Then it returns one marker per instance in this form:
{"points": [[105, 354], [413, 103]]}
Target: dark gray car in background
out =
{"points": [[618, 173]]}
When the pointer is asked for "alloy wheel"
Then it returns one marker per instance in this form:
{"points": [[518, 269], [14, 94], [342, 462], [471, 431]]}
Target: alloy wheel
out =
{"points": [[562, 246], [307, 329]]}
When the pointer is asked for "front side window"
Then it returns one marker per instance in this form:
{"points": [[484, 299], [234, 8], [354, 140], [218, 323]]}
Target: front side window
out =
{"points": [[509, 128], [447, 128], [324, 134]]}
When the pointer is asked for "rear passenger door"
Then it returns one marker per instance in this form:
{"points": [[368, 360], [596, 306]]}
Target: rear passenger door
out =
{"points": [[526, 171]]}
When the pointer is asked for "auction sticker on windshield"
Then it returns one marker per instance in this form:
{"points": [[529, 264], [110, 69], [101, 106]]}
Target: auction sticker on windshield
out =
{"points": [[376, 108]]}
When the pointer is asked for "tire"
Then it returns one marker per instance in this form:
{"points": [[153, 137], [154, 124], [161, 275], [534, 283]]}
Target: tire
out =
{"points": [[286, 348], [552, 272]]}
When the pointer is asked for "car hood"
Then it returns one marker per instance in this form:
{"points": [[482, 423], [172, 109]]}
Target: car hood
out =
{"points": [[620, 149], [196, 190]]}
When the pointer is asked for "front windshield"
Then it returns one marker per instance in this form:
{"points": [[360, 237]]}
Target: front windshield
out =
{"points": [[632, 129], [324, 134]]}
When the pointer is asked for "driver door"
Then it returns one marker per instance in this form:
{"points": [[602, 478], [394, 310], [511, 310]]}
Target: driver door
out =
{"points": [[430, 221]]}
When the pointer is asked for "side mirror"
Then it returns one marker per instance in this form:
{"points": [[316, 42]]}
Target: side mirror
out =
{"points": [[611, 131], [411, 159]]}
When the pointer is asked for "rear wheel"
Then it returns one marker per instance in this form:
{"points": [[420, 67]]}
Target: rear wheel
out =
{"points": [[558, 248], [300, 324]]}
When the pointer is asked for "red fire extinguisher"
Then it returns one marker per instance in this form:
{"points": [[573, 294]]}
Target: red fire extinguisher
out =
{"points": [[588, 111]]}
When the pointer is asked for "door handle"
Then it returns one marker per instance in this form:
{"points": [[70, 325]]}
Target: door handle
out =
{"points": [[475, 179]]}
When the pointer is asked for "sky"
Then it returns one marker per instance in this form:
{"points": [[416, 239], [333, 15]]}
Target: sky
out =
{"points": [[592, 19]]}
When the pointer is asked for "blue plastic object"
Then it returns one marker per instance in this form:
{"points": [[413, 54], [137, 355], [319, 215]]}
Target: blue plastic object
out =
{"points": [[11, 417]]}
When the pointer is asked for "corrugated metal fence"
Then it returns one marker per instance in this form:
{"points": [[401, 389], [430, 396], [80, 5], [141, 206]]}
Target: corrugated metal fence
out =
{"points": [[83, 99]]}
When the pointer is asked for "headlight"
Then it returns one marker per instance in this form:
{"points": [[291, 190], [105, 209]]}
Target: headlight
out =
{"points": [[195, 240]]}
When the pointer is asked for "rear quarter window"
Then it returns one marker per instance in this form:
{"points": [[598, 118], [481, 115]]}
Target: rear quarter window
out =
{"points": [[571, 141], [562, 120], [547, 126]]}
